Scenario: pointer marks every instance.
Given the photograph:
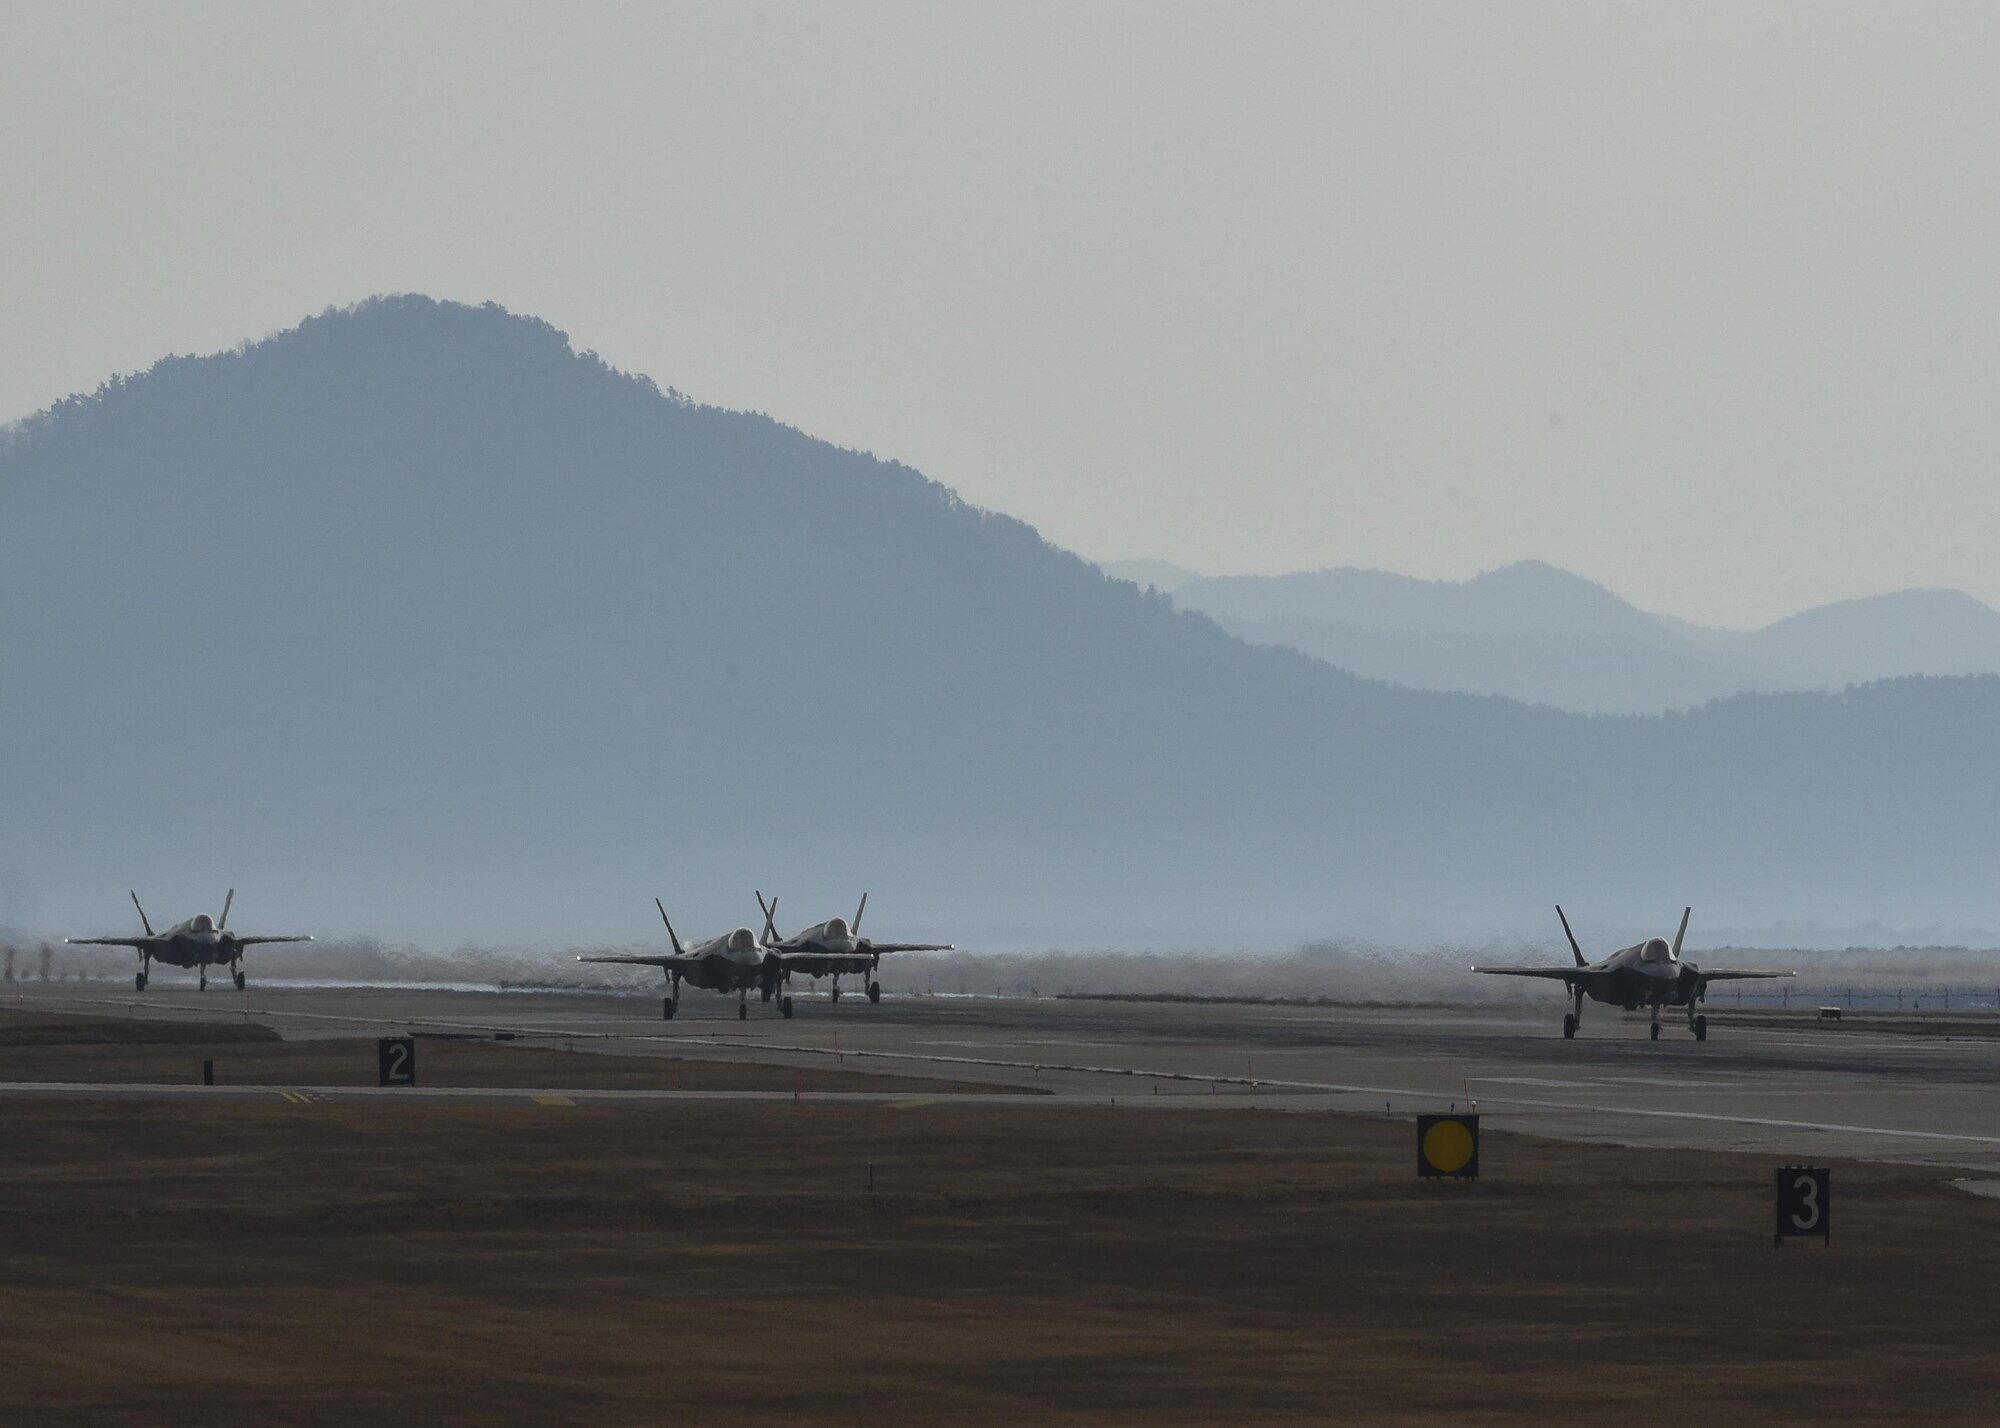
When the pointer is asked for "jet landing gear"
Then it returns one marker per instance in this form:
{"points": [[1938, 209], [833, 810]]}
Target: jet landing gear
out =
{"points": [[1698, 1025], [1573, 1019], [874, 991], [140, 980], [1654, 1030], [239, 978], [204, 980], [834, 994], [672, 1002]]}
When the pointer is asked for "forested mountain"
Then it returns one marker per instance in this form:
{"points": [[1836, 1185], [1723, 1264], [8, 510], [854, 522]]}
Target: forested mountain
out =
{"points": [[1531, 632], [413, 621]]}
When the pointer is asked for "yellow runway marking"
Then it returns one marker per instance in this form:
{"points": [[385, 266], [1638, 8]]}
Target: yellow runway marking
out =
{"points": [[552, 1100], [302, 1098]]}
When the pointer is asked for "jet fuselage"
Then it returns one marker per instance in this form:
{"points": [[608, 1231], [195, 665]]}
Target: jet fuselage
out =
{"points": [[1646, 974]]}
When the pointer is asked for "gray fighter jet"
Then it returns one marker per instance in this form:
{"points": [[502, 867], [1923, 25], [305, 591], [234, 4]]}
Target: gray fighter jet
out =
{"points": [[730, 963], [736, 961], [835, 948], [1646, 974], [201, 942]]}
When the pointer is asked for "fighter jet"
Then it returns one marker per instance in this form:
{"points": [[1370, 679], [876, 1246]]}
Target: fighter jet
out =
{"points": [[736, 961], [835, 947], [1646, 974], [202, 942], [730, 963]]}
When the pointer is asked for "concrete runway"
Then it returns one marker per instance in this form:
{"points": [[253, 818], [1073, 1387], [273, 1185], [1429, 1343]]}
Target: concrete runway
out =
{"points": [[1803, 1091]]}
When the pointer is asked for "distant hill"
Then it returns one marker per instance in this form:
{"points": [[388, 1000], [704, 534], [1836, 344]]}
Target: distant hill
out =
{"points": [[1881, 637], [1529, 598], [1162, 575], [1587, 673], [1532, 632], [413, 621]]}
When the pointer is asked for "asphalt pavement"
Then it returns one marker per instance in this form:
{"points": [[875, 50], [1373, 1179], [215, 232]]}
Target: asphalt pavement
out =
{"points": [[1803, 1090]]}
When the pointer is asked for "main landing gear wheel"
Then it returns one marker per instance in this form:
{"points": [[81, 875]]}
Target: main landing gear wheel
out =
{"points": [[742, 1012], [668, 1006], [204, 980], [1569, 1026], [1656, 1031], [874, 991], [140, 981], [785, 1006], [764, 993], [239, 981], [1701, 1028], [835, 994]]}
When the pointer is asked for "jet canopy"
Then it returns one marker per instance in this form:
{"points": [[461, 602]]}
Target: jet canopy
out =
{"points": [[742, 940], [202, 923], [836, 930], [1656, 950]]}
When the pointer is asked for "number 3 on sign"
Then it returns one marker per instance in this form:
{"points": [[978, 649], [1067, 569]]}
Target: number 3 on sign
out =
{"points": [[1804, 1203], [1807, 1216]]}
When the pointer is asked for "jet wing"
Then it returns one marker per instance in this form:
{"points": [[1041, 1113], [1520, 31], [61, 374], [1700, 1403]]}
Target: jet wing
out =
{"points": [[666, 961], [816, 961], [133, 942], [1741, 976], [910, 947], [1554, 974], [247, 941]]}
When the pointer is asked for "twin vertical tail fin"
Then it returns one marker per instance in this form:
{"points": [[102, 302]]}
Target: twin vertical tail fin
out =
{"points": [[223, 925], [1685, 915], [856, 929], [1576, 950], [144, 921], [770, 926]]}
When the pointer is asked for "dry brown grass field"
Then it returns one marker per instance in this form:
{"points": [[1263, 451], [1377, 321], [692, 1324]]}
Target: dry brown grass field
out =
{"points": [[180, 1262]]}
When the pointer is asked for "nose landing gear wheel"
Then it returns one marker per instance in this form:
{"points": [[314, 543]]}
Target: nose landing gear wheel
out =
{"points": [[835, 993], [785, 1006], [1569, 1026], [204, 980], [1701, 1028], [667, 1009], [742, 1012], [1656, 1031], [874, 991]]}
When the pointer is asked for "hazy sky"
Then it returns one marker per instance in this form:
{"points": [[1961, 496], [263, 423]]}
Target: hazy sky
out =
{"points": [[1698, 301]]}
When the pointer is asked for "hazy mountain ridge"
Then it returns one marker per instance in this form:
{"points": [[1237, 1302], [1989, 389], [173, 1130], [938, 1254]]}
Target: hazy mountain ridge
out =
{"points": [[412, 621], [1532, 632]]}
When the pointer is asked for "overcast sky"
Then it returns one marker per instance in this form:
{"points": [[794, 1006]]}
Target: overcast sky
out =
{"points": [[1698, 301]]}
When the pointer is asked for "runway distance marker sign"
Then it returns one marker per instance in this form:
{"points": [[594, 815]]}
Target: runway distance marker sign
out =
{"points": [[1804, 1203], [1448, 1147], [396, 1060]]}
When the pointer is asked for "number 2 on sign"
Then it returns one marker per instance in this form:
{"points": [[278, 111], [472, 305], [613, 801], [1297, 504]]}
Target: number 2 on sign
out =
{"points": [[399, 1055], [1807, 1216]]}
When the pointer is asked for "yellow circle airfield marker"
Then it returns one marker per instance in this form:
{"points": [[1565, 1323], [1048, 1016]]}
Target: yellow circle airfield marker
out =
{"points": [[1448, 1147]]}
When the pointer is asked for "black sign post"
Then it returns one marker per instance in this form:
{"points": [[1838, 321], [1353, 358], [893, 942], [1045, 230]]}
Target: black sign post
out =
{"points": [[1804, 1203], [396, 1060], [1448, 1147]]}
